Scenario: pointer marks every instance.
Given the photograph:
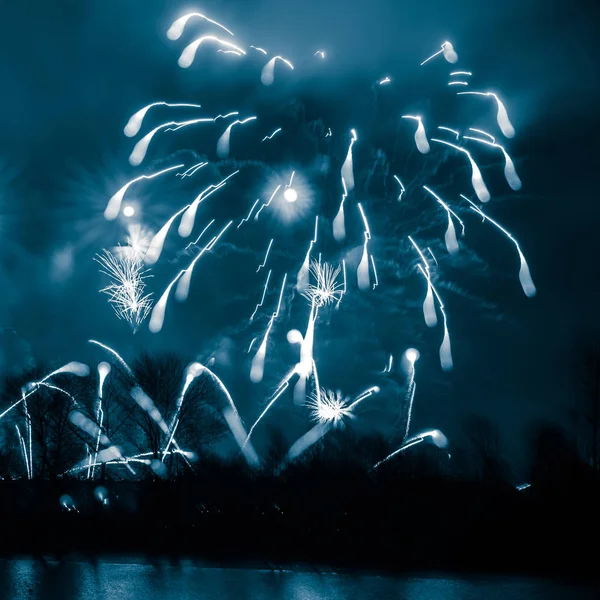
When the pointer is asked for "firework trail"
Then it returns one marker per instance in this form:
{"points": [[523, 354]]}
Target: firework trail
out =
{"points": [[113, 208], [307, 440], [344, 288], [524, 273], [186, 226], [195, 242], [448, 51], [126, 292], [476, 178], [432, 256], [376, 282], [362, 273], [183, 287], [302, 277], [457, 83], [189, 52], [384, 81], [28, 433], [24, 450], [453, 131], [264, 262], [501, 115], [306, 365], [510, 173], [258, 362], [412, 356], [390, 363], [450, 237], [455, 73], [267, 76], [264, 205], [420, 134], [158, 312], [116, 355], [135, 121], [270, 137], [402, 188], [246, 219], [177, 27], [192, 170], [319, 53], [347, 167], [158, 241], [261, 300], [239, 434], [141, 148], [261, 50], [223, 143], [234, 52], [429, 303], [339, 222], [437, 437]]}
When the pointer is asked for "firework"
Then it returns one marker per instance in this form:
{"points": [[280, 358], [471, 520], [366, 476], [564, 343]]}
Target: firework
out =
{"points": [[327, 289], [264, 205], [420, 134], [450, 237], [177, 27], [263, 297], [501, 115], [223, 143], [402, 188], [135, 121], [158, 241], [347, 167], [189, 52], [270, 137], [302, 277], [126, 292], [264, 262], [411, 356], [453, 131], [339, 223], [362, 273], [267, 76], [192, 170], [436, 436], [448, 51]]}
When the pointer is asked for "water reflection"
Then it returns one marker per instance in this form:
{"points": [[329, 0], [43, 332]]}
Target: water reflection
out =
{"points": [[25, 579]]}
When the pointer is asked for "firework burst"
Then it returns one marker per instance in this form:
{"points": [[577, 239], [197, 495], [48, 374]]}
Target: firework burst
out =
{"points": [[327, 288], [328, 406], [126, 292]]}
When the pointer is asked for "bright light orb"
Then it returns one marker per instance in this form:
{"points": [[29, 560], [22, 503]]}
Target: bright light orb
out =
{"points": [[290, 195], [412, 355], [294, 336], [129, 211]]}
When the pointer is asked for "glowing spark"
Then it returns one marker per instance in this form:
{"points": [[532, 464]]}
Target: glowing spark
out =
{"points": [[302, 277], [290, 195], [267, 76], [326, 290], [239, 434], [328, 406], [183, 287], [339, 223], [128, 211], [261, 300], [264, 262], [135, 121], [347, 167], [116, 355], [362, 273], [270, 137], [429, 304], [259, 49], [437, 437], [103, 371], [221, 387], [456, 133], [420, 135], [320, 53], [141, 148], [374, 272], [328, 134], [524, 273], [265, 204], [158, 312], [432, 256], [412, 356], [158, 241], [450, 237], [246, 219], [363, 396], [258, 362], [476, 178], [389, 365], [523, 486], [223, 143], [192, 170], [384, 81], [402, 188], [467, 73], [195, 242], [501, 115], [488, 135], [277, 394], [177, 27], [447, 50], [235, 52], [510, 173], [189, 52], [458, 83], [113, 208], [126, 292], [187, 221]]}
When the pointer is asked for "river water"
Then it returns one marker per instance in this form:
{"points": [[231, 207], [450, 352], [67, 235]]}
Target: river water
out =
{"points": [[25, 579]]}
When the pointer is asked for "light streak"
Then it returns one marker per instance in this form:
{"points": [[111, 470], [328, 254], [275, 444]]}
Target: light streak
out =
{"points": [[420, 134], [187, 221], [501, 114], [189, 52], [411, 356], [389, 365], [126, 292], [261, 300], [510, 173], [307, 440], [339, 222], [447, 50], [362, 272], [176, 30], [347, 167], [195, 242], [476, 178], [135, 121], [524, 273], [224, 140], [267, 76], [306, 366], [264, 205], [432, 256], [258, 362], [456, 133], [457, 83], [329, 134], [192, 170], [229, 52], [116, 355], [374, 272], [264, 262], [437, 437], [141, 148], [246, 219], [302, 277], [262, 50], [251, 345], [402, 188], [270, 137], [103, 372], [488, 135], [450, 237], [158, 312], [28, 433], [239, 434], [468, 73], [158, 241], [321, 53], [113, 208], [24, 450], [384, 81], [429, 304], [344, 289]]}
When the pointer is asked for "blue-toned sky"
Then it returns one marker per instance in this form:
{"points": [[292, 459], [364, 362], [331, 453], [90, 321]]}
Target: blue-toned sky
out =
{"points": [[74, 71]]}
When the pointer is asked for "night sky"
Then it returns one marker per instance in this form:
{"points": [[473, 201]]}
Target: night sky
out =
{"points": [[74, 71]]}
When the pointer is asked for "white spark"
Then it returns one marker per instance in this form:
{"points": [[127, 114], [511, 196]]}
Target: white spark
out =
{"points": [[384, 81], [265, 204], [135, 121], [235, 52], [420, 134], [447, 50], [339, 222], [468, 73], [501, 115], [195, 242], [224, 140], [510, 172], [270, 137], [362, 272], [176, 30], [192, 170], [347, 167], [158, 241], [261, 300], [189, 52], [450, 238], [264, 262], [267, 76], [327, 289], [456, 133], [262, 50], [437, 437], [321, 53], [402, 188], [457, 83], [246, 219]]}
